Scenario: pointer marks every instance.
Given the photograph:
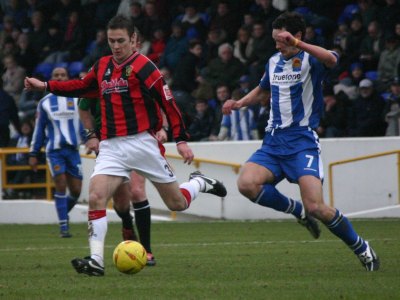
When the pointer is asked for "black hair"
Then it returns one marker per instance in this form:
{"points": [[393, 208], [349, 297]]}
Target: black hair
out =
{"points": [[121, 22], [290, 21]]}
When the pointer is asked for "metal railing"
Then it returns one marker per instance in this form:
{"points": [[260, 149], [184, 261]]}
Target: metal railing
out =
{"points": [[5, 168], [345, 161]]}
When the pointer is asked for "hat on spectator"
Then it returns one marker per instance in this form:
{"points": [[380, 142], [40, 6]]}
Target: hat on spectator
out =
{"points": [[395, 81], [356, 65], [244, 79], [366, 83]]}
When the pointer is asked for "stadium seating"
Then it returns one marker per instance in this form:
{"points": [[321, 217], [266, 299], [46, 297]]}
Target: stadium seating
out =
{"points": [[372, 75], [43, 69], [74, 68]]}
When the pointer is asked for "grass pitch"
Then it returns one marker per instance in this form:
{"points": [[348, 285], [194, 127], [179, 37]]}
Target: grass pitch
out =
{"points": [[210, 260]]}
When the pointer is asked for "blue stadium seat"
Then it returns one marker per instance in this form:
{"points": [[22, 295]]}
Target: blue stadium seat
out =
{"points": [[74, 68], [372, 75], [62, 64], [43, 69]]}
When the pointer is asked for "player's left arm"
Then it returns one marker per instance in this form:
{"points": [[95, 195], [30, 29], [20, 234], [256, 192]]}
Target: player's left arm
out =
{"points": [[323, 55], [163, 95]]}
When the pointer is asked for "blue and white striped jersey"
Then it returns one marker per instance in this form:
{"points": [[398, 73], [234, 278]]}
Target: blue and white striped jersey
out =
{"points": [[240, 125], [296, 90], [57, 124]]}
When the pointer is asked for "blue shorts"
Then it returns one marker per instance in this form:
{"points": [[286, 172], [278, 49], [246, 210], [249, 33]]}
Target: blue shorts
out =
{"points": [[290, 154], [65, 160]]}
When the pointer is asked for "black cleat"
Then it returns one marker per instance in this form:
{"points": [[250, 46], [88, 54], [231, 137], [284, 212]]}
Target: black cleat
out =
{"points": [[151, 261], [369, 259], [211, 186], [311, 224], [65, 234], [87, 266]]}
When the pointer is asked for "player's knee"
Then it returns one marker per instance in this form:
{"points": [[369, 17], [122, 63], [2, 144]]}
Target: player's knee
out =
{"points": [[177, 205], [246, 188]]}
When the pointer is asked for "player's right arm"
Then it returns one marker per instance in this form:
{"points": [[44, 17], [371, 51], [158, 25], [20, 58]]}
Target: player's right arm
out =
{"points": [[85, 87], [252, 97], [39, 135]]}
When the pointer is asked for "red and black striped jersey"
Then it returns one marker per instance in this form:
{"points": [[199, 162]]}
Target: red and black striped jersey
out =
{"points": [[131, 94]]}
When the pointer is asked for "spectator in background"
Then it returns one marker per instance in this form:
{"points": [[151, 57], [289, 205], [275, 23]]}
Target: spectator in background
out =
{"points": [[263, 48], [389, 15], [152, 20], [225, 68], [388, 62], [188, 68], [340, 35], [240, 124], [8, 48], [215, 38], [8, 115], [38, 35], [225, 20], [54, 40], [371, 47], [98, 48], [25, 55], [13, 77], [368, 11], [391, 111], [73, 44], [349, 83], [263, 116], [201, 127], [335, 115], [266, 13], [7, 29], [367, 112], [22, 140], [243, 45], [313, 38], [192, 21], [137, 15], [157, 46], [176, 47], [222, 93], [354, 38]]}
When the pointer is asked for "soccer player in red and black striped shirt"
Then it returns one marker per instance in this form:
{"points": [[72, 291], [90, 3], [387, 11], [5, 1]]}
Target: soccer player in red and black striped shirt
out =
{"points": [[131, 91]]}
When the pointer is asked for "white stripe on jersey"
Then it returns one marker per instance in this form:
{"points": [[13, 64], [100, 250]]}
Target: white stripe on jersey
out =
{"points": [[60, 119], [296, 91]]}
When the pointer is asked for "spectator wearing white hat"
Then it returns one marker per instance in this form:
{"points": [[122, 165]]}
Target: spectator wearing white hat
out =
{"points": [[366, 116]]}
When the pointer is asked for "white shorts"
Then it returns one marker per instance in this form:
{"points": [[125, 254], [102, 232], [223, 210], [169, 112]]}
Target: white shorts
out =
{"points": [[140, 152]]}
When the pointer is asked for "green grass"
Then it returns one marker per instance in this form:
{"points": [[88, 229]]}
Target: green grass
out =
{"points": [[210, 260]]}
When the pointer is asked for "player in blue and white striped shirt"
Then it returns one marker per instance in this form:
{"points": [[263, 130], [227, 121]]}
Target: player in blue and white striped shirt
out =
{"points": [[290, 148], [59, 128]]}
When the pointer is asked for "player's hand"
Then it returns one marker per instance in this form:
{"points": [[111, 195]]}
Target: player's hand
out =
{"points": [[229, 105], [33, 162], [185, 151], [92, 145], [162, 136], [286, 38], [33, 84]]}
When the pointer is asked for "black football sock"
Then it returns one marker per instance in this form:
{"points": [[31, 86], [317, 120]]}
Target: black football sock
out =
{"points": [[143, 222]]}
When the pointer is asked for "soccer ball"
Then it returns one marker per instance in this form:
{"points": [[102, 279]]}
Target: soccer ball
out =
{"points": [[129, 257]]}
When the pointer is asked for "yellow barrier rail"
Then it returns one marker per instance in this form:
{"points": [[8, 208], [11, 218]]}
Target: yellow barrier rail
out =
{"points": [[341, 162], [196, 161], [48, 184]]}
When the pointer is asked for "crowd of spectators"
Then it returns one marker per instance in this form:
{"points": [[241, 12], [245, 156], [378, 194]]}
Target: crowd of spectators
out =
{"points": [[209, 49]]}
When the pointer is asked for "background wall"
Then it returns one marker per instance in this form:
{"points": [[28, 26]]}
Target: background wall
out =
{"points": [[358, 187]]}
